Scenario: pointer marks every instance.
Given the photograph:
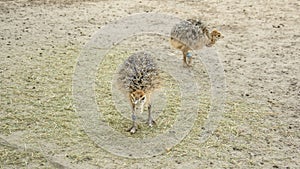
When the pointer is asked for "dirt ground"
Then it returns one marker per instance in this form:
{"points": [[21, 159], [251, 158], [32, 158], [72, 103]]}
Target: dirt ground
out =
{"points": [[41, 42]]}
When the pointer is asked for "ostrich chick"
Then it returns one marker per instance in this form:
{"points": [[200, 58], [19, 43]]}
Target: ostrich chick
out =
{"points": [[139, 76], [192, 34]]}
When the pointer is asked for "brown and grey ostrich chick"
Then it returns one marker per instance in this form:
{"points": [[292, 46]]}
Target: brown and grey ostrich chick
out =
{"points": [[139, 76], [192, 34]]}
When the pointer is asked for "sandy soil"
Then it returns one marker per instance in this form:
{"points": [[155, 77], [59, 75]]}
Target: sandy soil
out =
{"points": [[42, 40]]}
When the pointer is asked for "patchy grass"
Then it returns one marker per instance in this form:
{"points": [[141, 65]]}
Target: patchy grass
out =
{"points": [[46, 115]]}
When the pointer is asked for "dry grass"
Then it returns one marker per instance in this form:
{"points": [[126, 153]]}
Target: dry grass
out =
{"points": [[44, 114]]}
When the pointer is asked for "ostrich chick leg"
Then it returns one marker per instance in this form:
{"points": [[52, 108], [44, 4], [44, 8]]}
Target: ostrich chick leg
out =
{"points": [[133, 129], [184, 53], [188, 55], [150, 122]]}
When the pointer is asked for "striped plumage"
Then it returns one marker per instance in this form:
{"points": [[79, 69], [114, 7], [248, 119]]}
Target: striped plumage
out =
{"points": [[192, 33], [139, 72]]}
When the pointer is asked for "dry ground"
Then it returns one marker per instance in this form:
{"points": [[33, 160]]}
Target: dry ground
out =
{"points": [[41, 42]]}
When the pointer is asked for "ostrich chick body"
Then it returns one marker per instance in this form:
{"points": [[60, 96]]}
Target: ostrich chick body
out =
{"points": [[192, 34], [139, 76]]}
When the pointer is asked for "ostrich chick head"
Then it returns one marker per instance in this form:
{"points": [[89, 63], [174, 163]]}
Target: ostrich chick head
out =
{"points": [[138, 97], [214, 36]]}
